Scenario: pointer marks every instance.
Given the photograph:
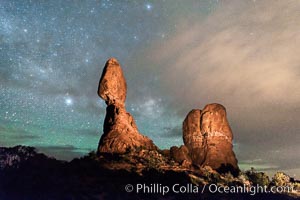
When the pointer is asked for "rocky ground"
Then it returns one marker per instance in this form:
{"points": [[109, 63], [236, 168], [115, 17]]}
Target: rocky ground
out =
{"points": [[26, 174]]}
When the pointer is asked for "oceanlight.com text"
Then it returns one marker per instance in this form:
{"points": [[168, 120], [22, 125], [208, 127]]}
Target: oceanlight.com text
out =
{"points": [[157, 188]]}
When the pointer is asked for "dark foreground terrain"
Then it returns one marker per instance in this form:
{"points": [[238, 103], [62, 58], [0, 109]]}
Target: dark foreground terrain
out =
{"points": [[26, 174]]}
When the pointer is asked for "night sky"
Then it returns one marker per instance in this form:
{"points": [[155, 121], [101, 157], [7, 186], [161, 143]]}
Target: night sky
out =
{"points": [[176, 56]]}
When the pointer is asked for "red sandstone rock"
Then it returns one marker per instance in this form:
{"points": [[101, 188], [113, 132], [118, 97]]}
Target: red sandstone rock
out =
{"points": [[206, 134], [120, 131], [208, 137], [112, 87], [193, 138], [218, 134], [180, 154]]}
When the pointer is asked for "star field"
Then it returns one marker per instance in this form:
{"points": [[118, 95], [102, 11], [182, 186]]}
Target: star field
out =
{"points": [[176, 56], [52, 54]]}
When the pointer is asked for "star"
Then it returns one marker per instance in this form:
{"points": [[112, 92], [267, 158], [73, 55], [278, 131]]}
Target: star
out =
{"points": [[69, 101], [149, 6]]}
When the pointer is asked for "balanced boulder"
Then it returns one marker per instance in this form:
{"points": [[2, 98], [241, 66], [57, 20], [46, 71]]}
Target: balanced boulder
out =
{"points": [[120, 133]]}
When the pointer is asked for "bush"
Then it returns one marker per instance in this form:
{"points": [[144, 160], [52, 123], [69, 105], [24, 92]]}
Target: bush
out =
{"points": [[228, 178], [259, 178], [243, 178], [296, 186], [92, 155], [280, 179]]}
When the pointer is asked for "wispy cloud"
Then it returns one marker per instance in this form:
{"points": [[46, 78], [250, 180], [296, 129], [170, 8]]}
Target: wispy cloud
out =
{"points": [[244, 55], [245, 52], [65, 152]]}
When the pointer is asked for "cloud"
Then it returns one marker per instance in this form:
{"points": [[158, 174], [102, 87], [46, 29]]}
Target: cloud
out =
{"points": [[171, 132], [86, 132], [18, 134], [243, 51], [244, 55], [64, 152]]}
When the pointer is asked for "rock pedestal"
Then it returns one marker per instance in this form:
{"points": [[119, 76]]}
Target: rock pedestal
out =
{"points": [[120, 133]]}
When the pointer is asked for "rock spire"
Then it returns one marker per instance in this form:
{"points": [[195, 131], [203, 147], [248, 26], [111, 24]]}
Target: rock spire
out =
{"points": [[120, 132]]}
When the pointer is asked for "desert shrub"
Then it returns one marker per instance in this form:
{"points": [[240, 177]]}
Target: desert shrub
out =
{"points": [[280, 179], [258, 178], [296, 186], [210, 175], [228, 178], [243, 178], [92, 155]]}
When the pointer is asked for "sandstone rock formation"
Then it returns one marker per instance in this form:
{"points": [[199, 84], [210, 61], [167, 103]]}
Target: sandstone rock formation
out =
{"points": [[180, 154], [112, 86], [193, 138], [206, 133], [120, 131], [208, 137]]}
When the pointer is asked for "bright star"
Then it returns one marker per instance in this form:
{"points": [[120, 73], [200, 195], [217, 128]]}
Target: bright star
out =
{"points": [[148, 6], [69, 101]]}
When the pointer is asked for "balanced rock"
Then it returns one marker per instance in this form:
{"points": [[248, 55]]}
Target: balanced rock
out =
{"points": [[120, 130], [208, 137], [112, 87]]}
